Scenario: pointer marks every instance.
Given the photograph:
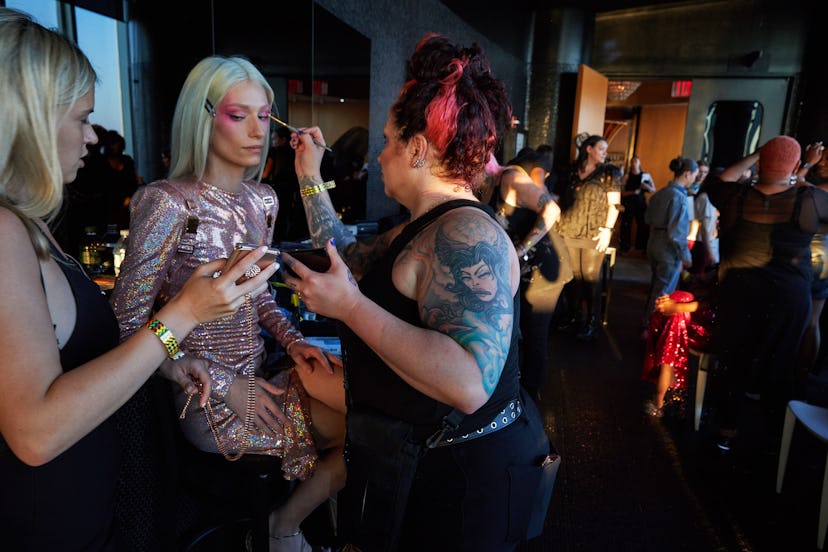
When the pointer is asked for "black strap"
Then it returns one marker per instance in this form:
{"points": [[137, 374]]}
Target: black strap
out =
{"points": [[415, 227], [450, 423]]}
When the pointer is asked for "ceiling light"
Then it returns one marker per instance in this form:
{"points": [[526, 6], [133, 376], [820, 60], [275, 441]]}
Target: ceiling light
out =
{"points": [[618, 91]]}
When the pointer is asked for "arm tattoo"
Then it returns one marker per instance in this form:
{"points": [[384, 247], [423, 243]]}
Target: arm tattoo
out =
{"points": [[323, 224], [361, 255], [469, 296]]}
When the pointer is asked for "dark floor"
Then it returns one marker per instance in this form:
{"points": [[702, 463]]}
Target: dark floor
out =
{"points": [[632, 482]]}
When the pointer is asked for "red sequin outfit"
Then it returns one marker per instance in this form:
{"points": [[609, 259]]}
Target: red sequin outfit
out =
{"points": [[165, 246], [670, 338]]}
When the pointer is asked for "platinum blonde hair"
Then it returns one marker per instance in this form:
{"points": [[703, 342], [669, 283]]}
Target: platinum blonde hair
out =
{"points": [[209, 81], [42, 73]]}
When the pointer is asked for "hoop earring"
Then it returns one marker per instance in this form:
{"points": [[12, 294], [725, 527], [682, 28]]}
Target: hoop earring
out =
{"points": [[418, 164]]}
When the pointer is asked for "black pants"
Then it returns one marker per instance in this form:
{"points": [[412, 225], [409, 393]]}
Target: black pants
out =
{"points": [[534, 346], [634, 208], [760, 322], [462, 493]]}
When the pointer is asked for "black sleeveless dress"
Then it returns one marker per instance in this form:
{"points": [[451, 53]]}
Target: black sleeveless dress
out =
{"points": [[67, 504], [764, 291]]}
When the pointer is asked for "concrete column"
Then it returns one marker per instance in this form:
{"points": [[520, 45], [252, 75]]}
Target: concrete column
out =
{"points": [[562, 40]]}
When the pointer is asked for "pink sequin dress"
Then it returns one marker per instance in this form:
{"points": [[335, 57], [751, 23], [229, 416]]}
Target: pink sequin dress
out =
{"points": [[175, 227], [670, 338]]}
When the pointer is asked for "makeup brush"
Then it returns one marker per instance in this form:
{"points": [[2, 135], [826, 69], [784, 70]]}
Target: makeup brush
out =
{"points": [[297, 131]]}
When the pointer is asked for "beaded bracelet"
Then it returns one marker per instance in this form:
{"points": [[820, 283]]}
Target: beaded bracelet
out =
{"points": [[313, 190], [167, 338]]}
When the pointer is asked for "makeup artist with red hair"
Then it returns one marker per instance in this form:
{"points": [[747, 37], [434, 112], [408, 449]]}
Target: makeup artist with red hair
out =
{"points": [[430, 332]]}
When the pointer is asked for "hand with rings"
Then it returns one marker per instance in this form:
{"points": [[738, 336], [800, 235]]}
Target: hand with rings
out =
{"points": [[295, 287]]}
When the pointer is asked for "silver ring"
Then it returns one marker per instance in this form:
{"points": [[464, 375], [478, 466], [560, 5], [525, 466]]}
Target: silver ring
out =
{"points": [[252, 271]]}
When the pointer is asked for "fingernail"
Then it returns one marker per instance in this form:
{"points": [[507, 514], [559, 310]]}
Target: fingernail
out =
{"points": [[301, 132], [333, 241]]}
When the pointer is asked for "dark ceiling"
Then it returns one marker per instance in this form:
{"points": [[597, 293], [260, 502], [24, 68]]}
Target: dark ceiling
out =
{"points": [[508, 24], [306, 41]]}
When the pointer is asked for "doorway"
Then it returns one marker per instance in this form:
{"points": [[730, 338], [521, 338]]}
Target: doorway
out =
{"points": [[650, 122]]}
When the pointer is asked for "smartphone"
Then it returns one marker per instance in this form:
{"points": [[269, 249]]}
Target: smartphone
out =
{"points": [[271, 256], [315, 259]]}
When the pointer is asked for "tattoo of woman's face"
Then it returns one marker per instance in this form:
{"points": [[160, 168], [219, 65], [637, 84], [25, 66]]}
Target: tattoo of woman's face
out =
{"points": [[475, 283], [480, 280]]}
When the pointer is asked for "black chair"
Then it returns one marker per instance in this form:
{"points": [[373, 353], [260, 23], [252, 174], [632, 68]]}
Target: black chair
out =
{"points": [[249, 488], [222, 505]]}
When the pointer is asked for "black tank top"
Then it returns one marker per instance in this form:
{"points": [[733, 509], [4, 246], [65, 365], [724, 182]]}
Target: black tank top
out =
{"points": [[67, 503], [371, 384]]}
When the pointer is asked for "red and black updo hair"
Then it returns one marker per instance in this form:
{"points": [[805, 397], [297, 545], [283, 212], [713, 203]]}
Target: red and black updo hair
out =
{"points": [[453, 99]]}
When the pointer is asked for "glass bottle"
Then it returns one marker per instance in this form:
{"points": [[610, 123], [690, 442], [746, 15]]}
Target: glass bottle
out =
{"points": [[89, 254]]}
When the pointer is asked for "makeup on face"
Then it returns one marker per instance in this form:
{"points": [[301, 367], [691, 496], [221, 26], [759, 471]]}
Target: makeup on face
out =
{"points": [[240, 126]]}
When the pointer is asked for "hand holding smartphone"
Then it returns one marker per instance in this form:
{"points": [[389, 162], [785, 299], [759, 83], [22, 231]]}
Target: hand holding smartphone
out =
{"points": [[315, 259], [271, 256]]}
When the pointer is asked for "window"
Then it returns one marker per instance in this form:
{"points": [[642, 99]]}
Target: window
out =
{"points": [[44, 12], [103, 40], [98, 37]]}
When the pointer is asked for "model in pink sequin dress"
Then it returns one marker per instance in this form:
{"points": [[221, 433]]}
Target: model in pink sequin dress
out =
{"points": [[213, 200]]}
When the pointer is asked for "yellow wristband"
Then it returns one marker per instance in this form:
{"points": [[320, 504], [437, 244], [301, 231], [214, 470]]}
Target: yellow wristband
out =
{"points": [[167, 338], [313, 190]]}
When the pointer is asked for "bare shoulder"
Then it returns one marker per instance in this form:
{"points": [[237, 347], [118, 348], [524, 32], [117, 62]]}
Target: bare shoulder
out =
{"points": [[16, 239], [470, 225], [466, 280], [447, 246], [463, 227], [21, 266]]}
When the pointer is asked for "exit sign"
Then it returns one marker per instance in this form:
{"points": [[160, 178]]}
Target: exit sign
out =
{"points": [[681, 89]]}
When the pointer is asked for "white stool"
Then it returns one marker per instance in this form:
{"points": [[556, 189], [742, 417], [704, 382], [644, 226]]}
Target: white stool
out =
{"points": [[815, 420], [701, 385]]}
